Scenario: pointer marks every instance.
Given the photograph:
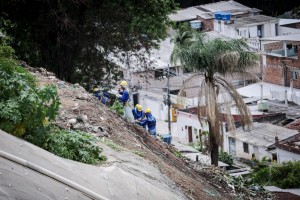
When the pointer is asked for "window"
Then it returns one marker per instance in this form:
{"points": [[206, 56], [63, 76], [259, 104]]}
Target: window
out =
{"points": [[294, 75], [158, 74], [246, 147]]}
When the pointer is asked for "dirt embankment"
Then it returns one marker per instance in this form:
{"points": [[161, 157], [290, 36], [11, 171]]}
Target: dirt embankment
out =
{"points": [[80, 110]]}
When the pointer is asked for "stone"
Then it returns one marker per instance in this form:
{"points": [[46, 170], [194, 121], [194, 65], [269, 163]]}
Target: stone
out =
{"points": [[72, 121]]}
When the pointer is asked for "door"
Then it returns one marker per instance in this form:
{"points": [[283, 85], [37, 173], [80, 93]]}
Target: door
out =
{"points": [[190, 134], [256, 152], [232, 148]]}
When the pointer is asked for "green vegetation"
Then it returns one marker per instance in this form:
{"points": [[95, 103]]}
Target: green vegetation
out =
{"points": [[286, 175], [27, 111], [178, 154], [118, 108], [74, 145], [74, 39], [226, 158]]}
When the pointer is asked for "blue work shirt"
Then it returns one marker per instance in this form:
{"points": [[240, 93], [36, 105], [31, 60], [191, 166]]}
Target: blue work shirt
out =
{"points": [[138, 114], [150, 122], [102, 96], [124, 98]]}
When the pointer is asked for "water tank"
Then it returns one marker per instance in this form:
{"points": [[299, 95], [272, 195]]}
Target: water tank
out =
{"points": [[226, 16], [196, 24], [263, 105], [218, 15]]}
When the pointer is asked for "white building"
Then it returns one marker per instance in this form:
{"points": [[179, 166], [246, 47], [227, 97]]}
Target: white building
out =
{"points": [[188, 126], [244, 143], [288, 150], [252, 28]]}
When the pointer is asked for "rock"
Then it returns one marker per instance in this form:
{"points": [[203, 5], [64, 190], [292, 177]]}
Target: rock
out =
{"points": [[78, 126], [82, 118], [72, 121]]}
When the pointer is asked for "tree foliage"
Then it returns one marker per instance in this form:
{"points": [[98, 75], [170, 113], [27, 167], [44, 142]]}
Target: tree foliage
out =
{"points": [[285, 175], [24, 108], [213, 59], [75, 39]]}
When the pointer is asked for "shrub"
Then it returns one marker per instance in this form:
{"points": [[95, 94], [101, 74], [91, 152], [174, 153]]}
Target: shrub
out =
{"points": [[74, 145], [24, 109], [285, 175], [118, 108], [226, 158]]}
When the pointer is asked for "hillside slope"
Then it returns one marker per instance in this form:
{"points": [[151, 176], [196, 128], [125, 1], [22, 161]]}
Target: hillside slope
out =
{"points": [[102, 122], [138, 166]]}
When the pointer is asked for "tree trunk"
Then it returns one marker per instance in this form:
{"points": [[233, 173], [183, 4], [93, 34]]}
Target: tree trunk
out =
{"points": [[214, 147]]}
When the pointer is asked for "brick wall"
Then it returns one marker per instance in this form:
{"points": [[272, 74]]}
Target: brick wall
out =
{"points": [[273, 72], [278, 45], [278, 67], [208, 24]]}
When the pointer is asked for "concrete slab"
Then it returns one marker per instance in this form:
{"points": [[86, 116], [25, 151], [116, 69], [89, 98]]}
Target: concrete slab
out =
{"points": [[124, 176]]}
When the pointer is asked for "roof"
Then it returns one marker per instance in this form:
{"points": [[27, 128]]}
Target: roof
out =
{"points": [[288, 21], [185, 14], [291, 37], [254, 90], [262, 134], [223, 6], [289, 145], [285, 192], [253, 20]]}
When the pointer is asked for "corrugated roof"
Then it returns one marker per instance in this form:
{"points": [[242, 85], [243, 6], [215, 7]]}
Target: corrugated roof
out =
{"points": [[224, 6], [288, 21], [263, 134], [251, 20], [185, 14]]}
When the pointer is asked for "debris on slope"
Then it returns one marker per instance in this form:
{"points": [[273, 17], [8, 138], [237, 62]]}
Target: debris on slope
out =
{"points": [[80, 110]]}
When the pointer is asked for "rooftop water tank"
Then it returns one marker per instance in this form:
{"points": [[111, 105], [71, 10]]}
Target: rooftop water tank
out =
{"points": [[195, 24], [226, 16], [218, 15], [263, 105]]}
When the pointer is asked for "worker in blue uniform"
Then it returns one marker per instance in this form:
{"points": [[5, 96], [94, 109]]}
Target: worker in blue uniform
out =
{"points": [[104, 97], [150, 122], [123, 97], [138, 112]]}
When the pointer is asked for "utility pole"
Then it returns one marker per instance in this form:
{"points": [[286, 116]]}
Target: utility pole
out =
{"points": [[168, 99]]}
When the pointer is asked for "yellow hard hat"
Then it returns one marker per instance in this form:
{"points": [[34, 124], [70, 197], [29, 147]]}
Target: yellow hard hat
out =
{"points": [[148, 110], [138, 107], [123, 83], [95, 89]]}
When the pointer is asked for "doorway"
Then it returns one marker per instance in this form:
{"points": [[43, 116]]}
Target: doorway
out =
{"points": [[232, 150], [190, 134]]}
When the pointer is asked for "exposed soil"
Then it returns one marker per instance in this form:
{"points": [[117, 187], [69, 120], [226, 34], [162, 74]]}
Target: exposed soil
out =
{"points": [[76, 101]]}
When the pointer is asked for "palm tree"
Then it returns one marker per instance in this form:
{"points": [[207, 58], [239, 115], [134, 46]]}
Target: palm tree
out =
{"points": [[214, 59]]}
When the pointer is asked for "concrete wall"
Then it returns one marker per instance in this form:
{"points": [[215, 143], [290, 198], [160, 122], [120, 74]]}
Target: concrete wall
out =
{"points": [[283, 156], [287, 31]]}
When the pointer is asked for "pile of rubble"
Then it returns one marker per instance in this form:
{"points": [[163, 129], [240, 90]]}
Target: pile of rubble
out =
{"points": [[80, 110]]}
